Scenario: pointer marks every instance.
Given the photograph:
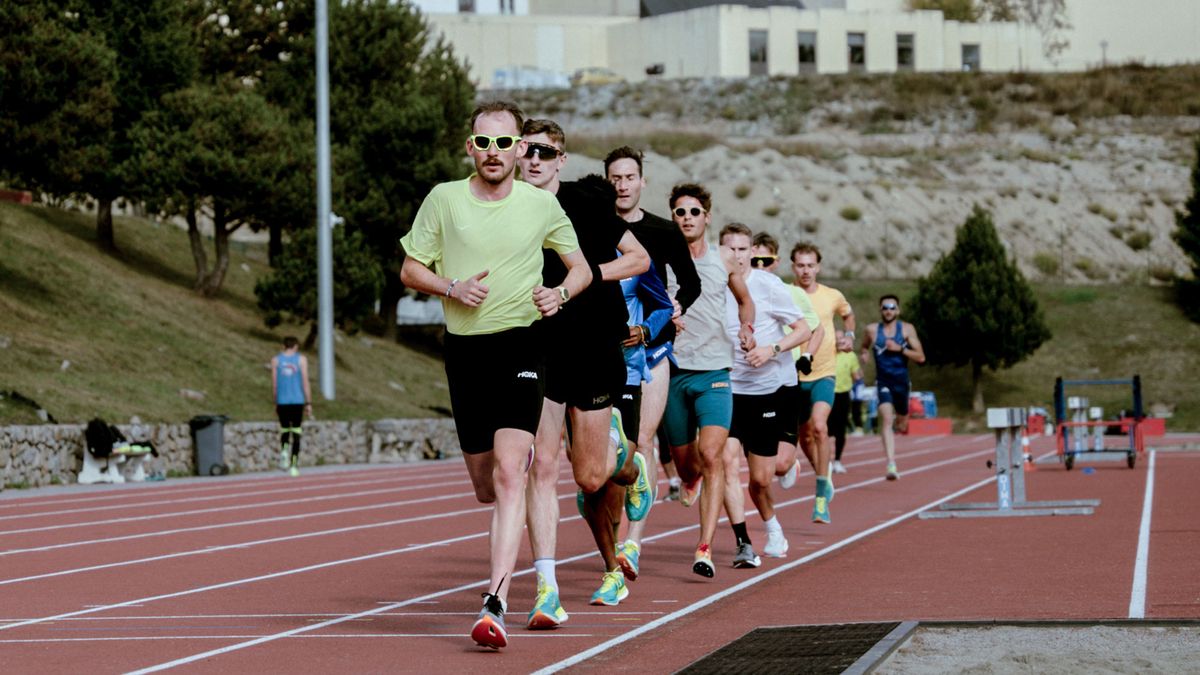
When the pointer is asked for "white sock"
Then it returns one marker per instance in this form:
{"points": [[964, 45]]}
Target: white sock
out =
{"points": [[675, 481], [773, 524], [545, 570]]}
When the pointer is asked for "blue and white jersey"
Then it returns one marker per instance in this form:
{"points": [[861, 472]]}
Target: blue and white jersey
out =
{"points": [[649, 305], [289, 380]]}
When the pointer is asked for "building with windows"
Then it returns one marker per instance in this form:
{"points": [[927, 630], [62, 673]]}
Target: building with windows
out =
{"points": [[721, 38]]}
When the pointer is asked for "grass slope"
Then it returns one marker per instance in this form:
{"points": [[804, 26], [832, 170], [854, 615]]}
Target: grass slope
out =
{"points": [[135, 334]]}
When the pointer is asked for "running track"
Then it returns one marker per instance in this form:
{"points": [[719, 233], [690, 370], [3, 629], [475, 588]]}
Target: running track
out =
{"points": [[373, 569]]}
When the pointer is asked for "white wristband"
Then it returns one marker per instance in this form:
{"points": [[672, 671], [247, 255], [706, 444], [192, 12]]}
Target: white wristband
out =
{"points": [[451, 287]]}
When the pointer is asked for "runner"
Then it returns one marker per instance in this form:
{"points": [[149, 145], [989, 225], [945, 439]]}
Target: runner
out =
{"points": [[699, 395], [849, 373], [894, 343], [585, 374], [669, 253], [764, 385], [293, 399], [476, 243], [816, 387]]}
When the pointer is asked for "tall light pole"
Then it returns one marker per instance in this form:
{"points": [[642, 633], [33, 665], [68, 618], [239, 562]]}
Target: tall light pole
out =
{"points": [[324, 233]]}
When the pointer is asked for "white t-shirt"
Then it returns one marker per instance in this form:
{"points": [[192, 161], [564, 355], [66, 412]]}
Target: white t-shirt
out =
{"points": [[773, 309]]}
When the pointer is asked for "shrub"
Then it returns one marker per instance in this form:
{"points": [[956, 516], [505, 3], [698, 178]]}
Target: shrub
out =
{"points": [[1046, 264], [810, 225], [741, 191], [1139, 240], [1162, 273], [850, 213], [771, 210]]}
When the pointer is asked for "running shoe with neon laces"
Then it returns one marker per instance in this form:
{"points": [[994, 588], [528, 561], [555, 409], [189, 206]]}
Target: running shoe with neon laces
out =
{"points": [[821, 510], [788, 480], [838, 467], [295, 470], [830, 490], [892, 472], [689, 493], [612, 589], [627, 557], [777, 544], [547, 611], [638, 497], [488, 630], [746, 558], [703, 563], [285, 457], [616, 432]]}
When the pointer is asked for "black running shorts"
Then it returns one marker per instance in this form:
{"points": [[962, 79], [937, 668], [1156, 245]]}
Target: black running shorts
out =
{"points": [[789, 426], [757, 422], [291, 415], [584, 374], [629, 402], [496, 382]]}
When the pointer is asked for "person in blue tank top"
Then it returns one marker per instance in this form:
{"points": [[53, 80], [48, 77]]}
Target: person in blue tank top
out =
{"points": [[894, 343], [289, 388]]}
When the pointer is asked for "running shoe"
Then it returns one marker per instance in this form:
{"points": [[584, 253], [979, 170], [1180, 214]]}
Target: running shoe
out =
{"points": [[892, 472], [488, 630], [838, 467], [638, 498], [673, 493], [689, 493], [821, 510], [616, 432], [295, 470], [547, 611], [703, 562], [746, 558], [826, 488], [627, 557], [788, 480], [285, 457], [777, 544], [612, 589]]}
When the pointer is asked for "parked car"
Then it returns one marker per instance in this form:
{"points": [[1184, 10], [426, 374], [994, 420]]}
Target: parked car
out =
{"points": [[595, 76]]}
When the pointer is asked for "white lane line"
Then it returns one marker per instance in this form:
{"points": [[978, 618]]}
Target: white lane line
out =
{"points": [[536, 635], [696, 606], [482, 583], [235, 507], [1137, 596]]}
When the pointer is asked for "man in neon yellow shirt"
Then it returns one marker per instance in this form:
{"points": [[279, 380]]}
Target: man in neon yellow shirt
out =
{"points": [[478, 243], [849, 371], [817, 386]]}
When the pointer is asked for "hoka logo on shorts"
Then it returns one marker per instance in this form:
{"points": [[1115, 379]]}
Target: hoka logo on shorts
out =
{"points": [[600, 400], [527, 375], [720, 385], [769, 415], [658, 352], [626, 397]]}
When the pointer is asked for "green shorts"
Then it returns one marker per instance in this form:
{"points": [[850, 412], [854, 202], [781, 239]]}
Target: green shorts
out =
{"points": [[812, 393], [697, 398]]}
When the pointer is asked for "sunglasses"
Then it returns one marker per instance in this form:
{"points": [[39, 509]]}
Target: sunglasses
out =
{"points": [[695, 211], [542, 151], [763, 260], [503, 143], [888, 306]]}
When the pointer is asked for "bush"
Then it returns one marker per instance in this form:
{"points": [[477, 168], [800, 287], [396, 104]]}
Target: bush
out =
{"points": [[741, 191], [1046, 264], [850, 213], [771, 210], [1139, 240], [810, 225]]}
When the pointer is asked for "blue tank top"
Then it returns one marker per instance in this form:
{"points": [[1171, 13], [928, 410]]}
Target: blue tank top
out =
{"points": [[891, 366], [289, 386]]}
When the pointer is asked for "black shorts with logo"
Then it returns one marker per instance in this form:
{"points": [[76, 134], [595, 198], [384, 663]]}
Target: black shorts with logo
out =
{"points": [[584, 374], [496, 382], [759, 420], [629, 402]]}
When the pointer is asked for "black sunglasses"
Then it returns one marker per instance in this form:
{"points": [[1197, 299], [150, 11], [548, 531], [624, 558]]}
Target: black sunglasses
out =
{"points": [[695, 211], [542, 151], [763, 260]]}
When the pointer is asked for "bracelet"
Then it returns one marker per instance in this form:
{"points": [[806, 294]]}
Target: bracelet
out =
{"points": [[645, 334], [749, 326], [451, 287]]}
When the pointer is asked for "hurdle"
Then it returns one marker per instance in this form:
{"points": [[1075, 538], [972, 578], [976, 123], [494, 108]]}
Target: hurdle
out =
{"points": [[1007, 424], [1076, 420]]}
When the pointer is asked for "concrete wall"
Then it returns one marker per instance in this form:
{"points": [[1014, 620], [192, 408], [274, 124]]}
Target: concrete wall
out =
{"points": [[35, 456]]}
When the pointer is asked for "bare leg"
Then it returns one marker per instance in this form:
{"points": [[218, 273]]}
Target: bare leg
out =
{"points": [[593, 459], [887, 417], [761, 470], [709, 450], [654, 402], [541, 493], [819, 455], [731, 460], [507, 464]]}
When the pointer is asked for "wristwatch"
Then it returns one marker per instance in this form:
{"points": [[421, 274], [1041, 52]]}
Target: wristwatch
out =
{"points": [[775, 348], [564, 294]]}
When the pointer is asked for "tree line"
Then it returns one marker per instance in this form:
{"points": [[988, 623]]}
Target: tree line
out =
{"points": [[205, 109]]}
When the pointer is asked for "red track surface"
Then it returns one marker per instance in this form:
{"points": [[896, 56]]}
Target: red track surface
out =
{"points": [[375, 569]]}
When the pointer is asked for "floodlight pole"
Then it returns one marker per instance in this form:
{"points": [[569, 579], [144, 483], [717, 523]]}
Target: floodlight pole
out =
{"points": [[324, 233]]}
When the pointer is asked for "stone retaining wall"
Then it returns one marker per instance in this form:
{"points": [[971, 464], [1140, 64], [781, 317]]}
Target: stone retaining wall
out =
{"points": [[33, 456]]}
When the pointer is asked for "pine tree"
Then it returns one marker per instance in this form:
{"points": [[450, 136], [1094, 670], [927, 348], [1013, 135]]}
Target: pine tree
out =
{"points": [[975, 307], [1187, 235]]}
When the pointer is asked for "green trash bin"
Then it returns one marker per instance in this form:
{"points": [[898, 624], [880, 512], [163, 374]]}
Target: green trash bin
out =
{"points": [[208, 442]]}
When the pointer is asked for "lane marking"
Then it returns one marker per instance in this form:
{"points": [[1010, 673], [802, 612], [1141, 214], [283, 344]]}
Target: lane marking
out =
{"points": [[528, 634], [696, 606], [483, 582], [1137, 596]]}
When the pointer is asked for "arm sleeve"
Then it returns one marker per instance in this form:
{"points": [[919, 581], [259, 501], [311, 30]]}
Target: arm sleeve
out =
{"points": [[656, 304], [685, 271]]}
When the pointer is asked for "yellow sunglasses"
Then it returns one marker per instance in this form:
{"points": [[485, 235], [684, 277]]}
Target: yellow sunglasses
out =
{"points": [[482, 142]]}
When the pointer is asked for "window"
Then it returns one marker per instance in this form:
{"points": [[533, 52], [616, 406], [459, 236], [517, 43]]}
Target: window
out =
{"points": [[806, 45], [857, 43], [506, 7], [758, 52], [904, 51], [466, 6], [970, 58]]}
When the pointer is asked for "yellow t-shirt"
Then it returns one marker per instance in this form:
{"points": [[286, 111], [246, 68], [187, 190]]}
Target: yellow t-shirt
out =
{"points": [[847, 365], [806, 310], [827, 301], [459, 235]]}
